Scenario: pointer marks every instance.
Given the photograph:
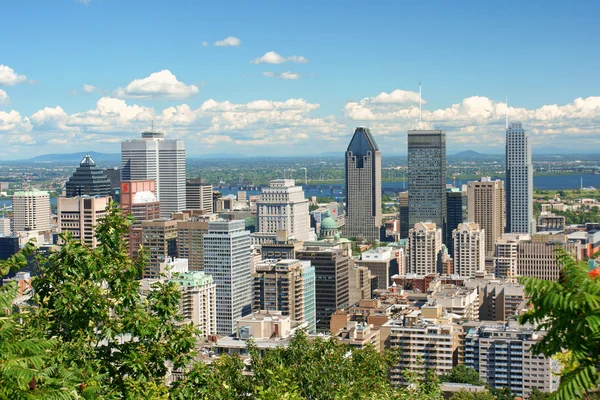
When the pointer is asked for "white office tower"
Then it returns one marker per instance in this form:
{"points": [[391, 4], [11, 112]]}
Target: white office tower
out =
{"points": [[519, 181], [282, 208], [424, 248], [31, 211], [227, 259], [154, 158], [469, 249]]}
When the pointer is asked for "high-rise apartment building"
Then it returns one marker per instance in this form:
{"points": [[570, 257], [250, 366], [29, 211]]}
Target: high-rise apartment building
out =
{"points": [[427, 177], [519, 181], [287, 286], [501, 354], [80, 215], [154, 158], [198, 195], [138, 198], [469, 249], [198, 300], [88, 180], [282, 208], [403, 214], [31, 211], [506, 255], [424, 248], [227, 259], [159, 238], [456, 204], [331, 285], [363, 187], [486, 208]]}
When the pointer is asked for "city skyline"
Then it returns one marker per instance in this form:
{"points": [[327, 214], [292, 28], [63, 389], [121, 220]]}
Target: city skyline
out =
{"points": [[226, 87]]}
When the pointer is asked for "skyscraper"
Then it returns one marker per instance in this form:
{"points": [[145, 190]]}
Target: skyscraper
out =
{"points": [[427, 177], [31, 211], [486, 208], [88, 180], [469, 249], [403, 214], [227, 259], [456, 201], [154, 158], [424, 248], [198, 195], [80, 215], [519, 181], [363, 187]]}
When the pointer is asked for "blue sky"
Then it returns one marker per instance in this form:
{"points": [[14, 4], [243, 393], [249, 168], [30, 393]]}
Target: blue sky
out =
{"points": [[335, 65]]}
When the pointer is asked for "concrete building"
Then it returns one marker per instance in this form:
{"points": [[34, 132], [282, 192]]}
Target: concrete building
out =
{"points": [[363, 187], [486, 208], [382, 262], [506, 255], [424, 248], [501, 354], [191, 229], [287, 286], [456, 205], [498, 300], [154, 158], [227, 259], [469, 249], [549, 222], [198, 195], [31, 211], [537, 258], [427, 177], [519, 181], [463, 302], [88, 180], [361, 283], [159, 239], [403, 215], [198, 300], [5, 227], [358, 335], [282, 207], [80, 215], [138, 198], [331, 265]]}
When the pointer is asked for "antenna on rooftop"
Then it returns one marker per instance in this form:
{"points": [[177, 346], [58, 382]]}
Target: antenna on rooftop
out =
{"points": [[420, 108]]}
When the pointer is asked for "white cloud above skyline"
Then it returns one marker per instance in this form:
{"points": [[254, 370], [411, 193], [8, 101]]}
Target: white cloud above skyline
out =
{"points": [[230, 41], [272, 57], [4, 99], [158, 85], [288, 75], [8, 76]]}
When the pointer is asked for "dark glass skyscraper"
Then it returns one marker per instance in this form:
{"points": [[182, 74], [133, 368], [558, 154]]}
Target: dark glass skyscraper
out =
{"points": [[427, 177], [363, 186], [456, 205], [88, 180]]}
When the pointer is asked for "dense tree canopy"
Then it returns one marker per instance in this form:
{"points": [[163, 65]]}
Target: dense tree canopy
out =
{"points": [[462, 374]]}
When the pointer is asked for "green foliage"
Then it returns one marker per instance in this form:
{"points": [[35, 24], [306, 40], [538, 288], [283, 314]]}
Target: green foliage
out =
{"points": [[464, 395], [536, 394], [462, 374], [502, 394], [569, 310]]}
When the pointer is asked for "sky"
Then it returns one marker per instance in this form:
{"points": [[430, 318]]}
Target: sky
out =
{"points": [[295, 78]]}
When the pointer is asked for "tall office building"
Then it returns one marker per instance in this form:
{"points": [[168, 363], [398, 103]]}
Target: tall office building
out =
{"points": [[154, 158], [403, 215], [331, 286], [469, 249], [88, 180], [427, 177], [519, 181], [424, 249], [363, 187], [456, 204], [282, 208], [486, 208], [227, 259], [138, 198], [31, 211], [80, 215], [198, 195], [287, 286], [159, 238], [190, 238]]}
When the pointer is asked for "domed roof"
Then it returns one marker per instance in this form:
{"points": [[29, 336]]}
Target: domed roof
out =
{"points": [[329, 223]]}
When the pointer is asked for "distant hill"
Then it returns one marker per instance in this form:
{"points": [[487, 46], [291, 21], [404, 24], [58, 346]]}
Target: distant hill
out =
{"points": [[76, 157], [471, 154]]}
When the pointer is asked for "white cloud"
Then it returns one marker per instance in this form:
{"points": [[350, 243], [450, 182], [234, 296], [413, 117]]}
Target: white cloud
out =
{"points": [[204, 44], [273, 58], [89, 88], [283, 75], [4, 99], [9, 77], [159, 85], [230, 41], [398, 96]]}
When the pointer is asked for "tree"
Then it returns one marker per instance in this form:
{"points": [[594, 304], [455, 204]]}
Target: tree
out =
{"points": [[464, 395], [462, 374], [536, 394], [502, 394], [569, 312]]}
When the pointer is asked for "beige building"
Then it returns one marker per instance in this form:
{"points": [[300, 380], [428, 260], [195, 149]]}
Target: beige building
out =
{"points": [[191, 229], [464, 302], [159, 239], [358, 335], [486, 207], [537, 257], [360, 280], [31, 211], [80, 215], [424, 248], [198, 300], [198, 195], [469, 249], [506, 254], [382, 262], [498, 299]]}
